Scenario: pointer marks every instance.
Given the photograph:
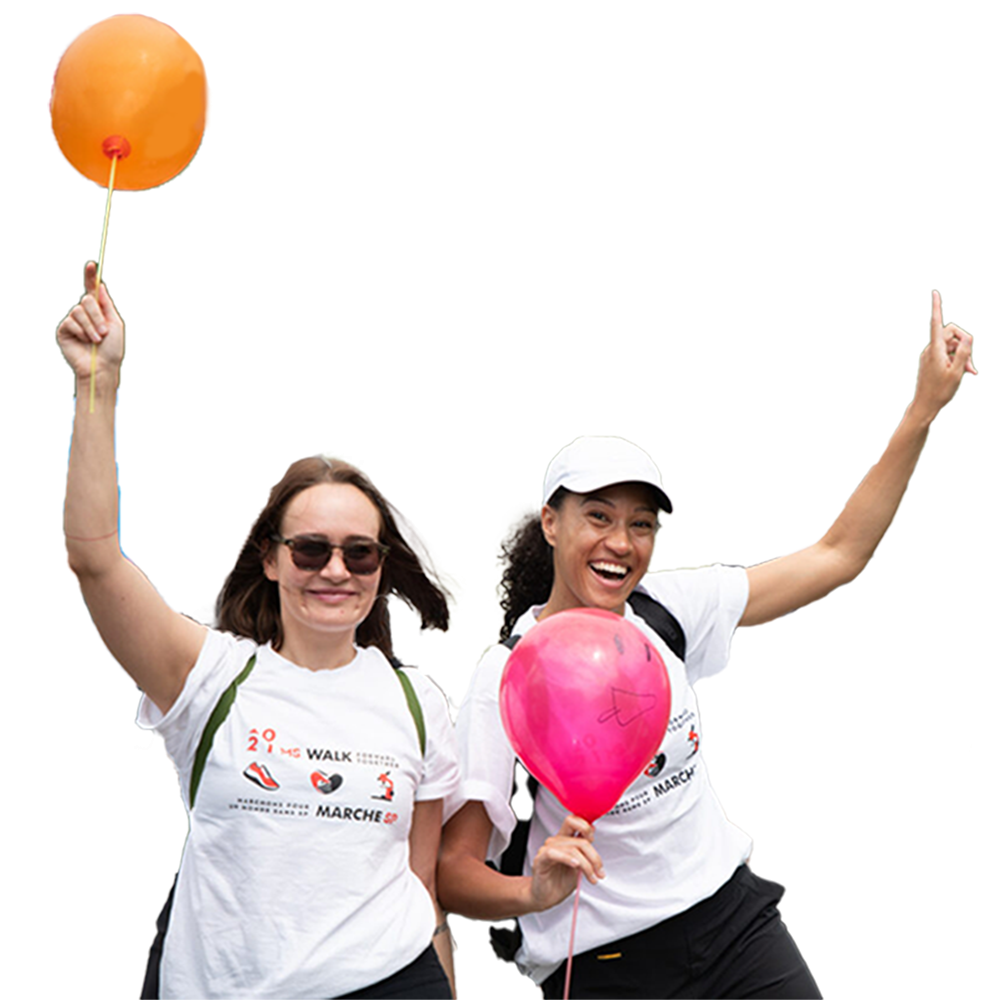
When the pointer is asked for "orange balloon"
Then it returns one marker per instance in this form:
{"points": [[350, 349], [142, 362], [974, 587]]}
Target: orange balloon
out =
{"points": [[132, 86]]}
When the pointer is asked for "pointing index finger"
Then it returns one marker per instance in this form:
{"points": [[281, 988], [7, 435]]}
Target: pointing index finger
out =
{"points": [[936, 318]]}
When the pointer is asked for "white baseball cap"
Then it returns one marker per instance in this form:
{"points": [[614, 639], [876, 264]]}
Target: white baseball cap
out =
{"points": [[590, 463]]}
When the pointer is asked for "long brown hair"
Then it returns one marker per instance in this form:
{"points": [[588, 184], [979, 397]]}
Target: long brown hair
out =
{"points": [[249, 603]]}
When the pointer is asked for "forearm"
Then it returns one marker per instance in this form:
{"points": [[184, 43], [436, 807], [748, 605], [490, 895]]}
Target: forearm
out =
{"points": [[468, 886], [92, 497], [443, 945], [870, 510]]}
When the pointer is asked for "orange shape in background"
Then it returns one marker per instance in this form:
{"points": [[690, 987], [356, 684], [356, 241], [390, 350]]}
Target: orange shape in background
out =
{"points": [[136, 78], [362, 75]]}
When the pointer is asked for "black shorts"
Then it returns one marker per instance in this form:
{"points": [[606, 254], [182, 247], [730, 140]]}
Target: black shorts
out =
{"points": [[423, 979], [732, 944]]}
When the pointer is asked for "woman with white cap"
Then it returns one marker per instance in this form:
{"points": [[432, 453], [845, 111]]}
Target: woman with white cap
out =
{"points": [[680, 913]]}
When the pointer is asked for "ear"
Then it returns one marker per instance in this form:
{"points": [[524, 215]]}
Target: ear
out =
{"points": [[269, 558], [548, 523]]}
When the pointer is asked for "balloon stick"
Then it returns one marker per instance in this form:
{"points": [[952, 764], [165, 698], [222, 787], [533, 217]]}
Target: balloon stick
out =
{"points": [[571, 942], [115, 147]]}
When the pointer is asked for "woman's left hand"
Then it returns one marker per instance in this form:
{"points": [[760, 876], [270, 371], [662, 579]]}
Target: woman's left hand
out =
{"points": [[943, 363]]}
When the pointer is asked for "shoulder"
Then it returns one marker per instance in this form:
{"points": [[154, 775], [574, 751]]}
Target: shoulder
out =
{"points": [[432, 698], [222, 658], [688, 591], [489, 672]]}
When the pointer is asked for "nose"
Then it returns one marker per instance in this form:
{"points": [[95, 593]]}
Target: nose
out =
{"points": [[335, 568], [618, 538]]}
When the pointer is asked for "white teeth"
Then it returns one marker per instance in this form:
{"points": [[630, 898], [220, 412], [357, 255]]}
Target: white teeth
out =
{"points": [[607, 567]]}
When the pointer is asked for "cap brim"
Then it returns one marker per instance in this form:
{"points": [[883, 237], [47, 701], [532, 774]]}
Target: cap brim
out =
{"points": [[588, 484]]}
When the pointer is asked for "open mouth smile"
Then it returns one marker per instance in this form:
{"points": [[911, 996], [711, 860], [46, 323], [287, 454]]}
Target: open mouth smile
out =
{"points": [[609, 571]]}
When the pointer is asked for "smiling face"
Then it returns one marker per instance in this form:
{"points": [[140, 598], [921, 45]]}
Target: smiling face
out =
{"points": [[602, 545], [331, 601]]}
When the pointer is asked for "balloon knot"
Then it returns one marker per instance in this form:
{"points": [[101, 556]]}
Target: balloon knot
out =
{"points": [[116, 146]]}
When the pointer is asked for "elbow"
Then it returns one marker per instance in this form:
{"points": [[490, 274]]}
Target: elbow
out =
{"points": [[443, 885], [448, 882], [92, 557], [78, 562], [840, 564]]}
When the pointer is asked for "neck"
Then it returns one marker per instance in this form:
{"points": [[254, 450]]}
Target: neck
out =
{"points": [[324, 651], [563, 600]]}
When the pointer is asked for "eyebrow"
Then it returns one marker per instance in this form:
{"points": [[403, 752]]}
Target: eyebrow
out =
{"points": [[599, 498]]}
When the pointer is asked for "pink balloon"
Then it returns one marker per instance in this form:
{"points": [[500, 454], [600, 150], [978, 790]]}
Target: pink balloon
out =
{"points": [[585, 702]]}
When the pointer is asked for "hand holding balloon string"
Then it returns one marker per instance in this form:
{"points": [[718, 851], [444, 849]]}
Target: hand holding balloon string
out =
{"points": [[93, 320], [557, 871], [561, 861], [115, 147]]}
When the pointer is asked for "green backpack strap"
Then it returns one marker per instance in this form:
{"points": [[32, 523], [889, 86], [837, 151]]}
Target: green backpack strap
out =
{"points": [[216, 719], [414, 705]]}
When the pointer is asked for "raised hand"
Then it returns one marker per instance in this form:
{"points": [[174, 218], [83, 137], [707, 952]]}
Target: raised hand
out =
{"points": [[94, 320], [943, 363], [561, 859]]}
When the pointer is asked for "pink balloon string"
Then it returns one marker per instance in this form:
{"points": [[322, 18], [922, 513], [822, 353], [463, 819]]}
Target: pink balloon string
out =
{"points": [[571, 942]]}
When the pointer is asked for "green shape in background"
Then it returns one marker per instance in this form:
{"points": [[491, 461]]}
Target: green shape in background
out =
{"points": [[938, 676], [390, 348]]}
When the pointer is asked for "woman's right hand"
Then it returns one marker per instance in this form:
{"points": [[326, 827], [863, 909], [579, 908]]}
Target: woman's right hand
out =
{"points": [[92, 322], [561, 859]]}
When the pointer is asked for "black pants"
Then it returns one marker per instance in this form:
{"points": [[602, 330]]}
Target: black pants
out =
{"points": [[423, 979], [732, 944]]}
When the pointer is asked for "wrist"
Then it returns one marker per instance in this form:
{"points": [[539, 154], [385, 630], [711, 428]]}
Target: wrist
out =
{"points": [[525, 900], [106, 379], [920, 414]]}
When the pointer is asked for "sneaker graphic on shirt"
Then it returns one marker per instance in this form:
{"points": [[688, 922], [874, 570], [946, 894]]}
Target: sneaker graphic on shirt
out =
{"points": [[324, 783], [260, 775]]}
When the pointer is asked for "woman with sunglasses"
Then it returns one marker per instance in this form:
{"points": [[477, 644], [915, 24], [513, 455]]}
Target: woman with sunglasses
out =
{"points": [[675, 911], [313, 771]]}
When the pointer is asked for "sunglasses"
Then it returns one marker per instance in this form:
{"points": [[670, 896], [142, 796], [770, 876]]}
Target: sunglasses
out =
{"points": [[312, 553]]}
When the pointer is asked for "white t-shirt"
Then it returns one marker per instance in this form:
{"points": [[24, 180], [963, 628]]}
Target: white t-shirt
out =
{"points": [[295, 878], [666, 844]]}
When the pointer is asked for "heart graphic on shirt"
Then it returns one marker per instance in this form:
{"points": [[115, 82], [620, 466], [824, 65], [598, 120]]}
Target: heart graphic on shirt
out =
{"points": [[325, 784]]}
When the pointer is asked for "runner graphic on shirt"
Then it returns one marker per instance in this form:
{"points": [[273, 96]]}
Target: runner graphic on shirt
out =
{"points": [[387, 783]]}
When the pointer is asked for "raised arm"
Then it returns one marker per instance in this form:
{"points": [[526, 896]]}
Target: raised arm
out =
{"points": [[155, 645], [778, 587]]}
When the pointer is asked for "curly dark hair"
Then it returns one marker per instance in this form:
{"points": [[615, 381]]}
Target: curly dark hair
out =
{"points": [[528, 567], [249, 603]]}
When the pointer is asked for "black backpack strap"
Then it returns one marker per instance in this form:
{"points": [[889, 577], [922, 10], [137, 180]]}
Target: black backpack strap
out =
{"points": [[511, 860], [497, 943], [661, 621]]}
